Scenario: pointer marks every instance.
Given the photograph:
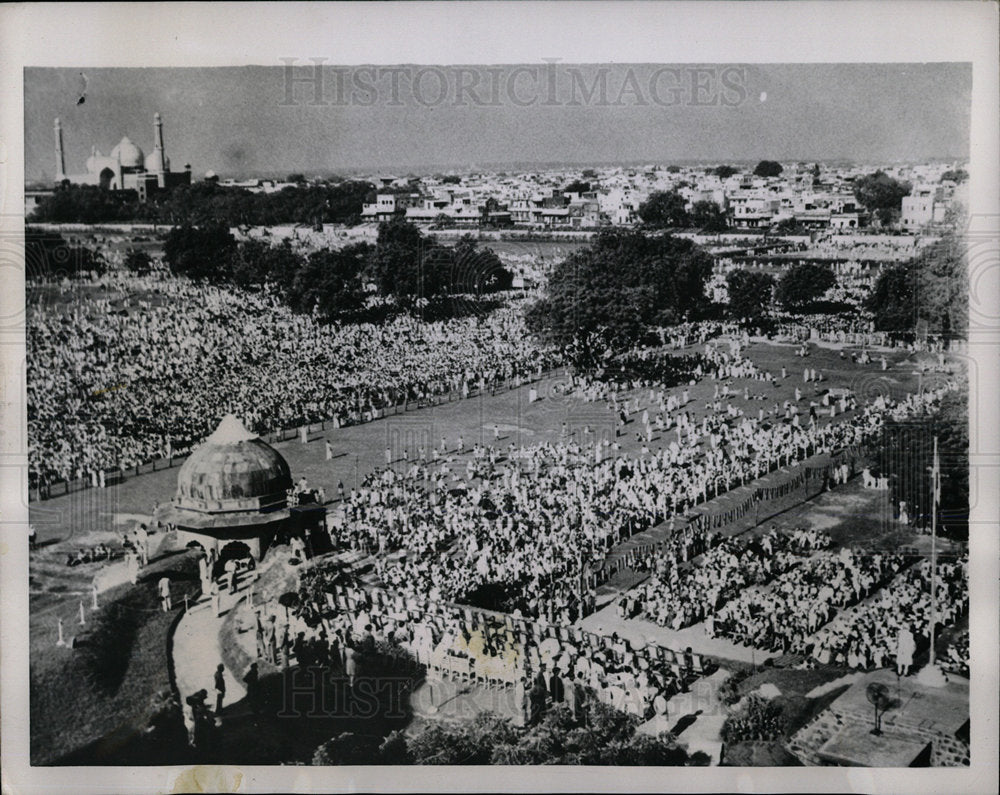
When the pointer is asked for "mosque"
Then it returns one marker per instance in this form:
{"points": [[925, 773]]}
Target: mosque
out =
{"points": [[126, 168]]}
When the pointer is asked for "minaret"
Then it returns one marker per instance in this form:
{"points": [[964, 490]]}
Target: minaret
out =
{"points": [[60, 159], [159, 156], [158, 140]]}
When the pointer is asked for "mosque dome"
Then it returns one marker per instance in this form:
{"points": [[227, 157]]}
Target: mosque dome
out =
{"points": [[128, 153], [233, 470], [157, 161]]}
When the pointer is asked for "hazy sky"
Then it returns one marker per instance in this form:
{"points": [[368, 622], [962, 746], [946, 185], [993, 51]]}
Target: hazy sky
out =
{"points": [[245, 120]]}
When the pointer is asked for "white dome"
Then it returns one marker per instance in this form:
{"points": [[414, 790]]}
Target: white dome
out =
{"points": [[128, 154], [156, 162]]}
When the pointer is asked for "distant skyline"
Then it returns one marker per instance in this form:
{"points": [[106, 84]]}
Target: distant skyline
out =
{"points": [[253, 121]]}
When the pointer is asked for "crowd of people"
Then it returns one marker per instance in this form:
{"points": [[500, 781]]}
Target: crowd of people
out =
{"points": [[679, 595], [531, 524], [868, 635], [126, 378], [541, 663], [783, 615], [956, 656]]}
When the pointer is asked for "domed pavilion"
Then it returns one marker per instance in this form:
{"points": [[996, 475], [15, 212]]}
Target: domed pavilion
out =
{"points": [[232, 490]]}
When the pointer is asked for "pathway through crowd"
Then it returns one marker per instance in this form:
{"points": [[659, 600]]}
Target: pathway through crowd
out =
{"points": [[197, 652]]}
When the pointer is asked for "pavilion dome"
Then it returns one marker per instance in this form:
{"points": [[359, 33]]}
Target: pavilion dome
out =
{"points": [[233, 470], [128, 153]]}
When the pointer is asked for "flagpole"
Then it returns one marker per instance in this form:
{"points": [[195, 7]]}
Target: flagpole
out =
{"points": [[930, 675], [935, 475]]}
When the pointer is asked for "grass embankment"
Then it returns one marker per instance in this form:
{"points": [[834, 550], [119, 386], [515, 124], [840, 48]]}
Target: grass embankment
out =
{"points": [[99, 695]]}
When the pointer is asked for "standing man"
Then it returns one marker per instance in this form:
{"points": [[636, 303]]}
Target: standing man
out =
{"points": [[213, 592], [142, 542], [329, 449], [220, 688], [905, 647], [164, 589], [261, 646], [203, 574], [252, 680], [271, 640]]}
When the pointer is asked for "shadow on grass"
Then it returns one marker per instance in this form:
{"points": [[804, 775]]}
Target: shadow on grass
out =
{"points": [[296, 712]]}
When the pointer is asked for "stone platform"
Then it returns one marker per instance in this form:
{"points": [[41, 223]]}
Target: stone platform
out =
{"points": [[921, 726]]}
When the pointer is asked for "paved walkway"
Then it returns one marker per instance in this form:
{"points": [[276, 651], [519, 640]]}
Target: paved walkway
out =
{"points": [[197, 652], [695, 717], [640, 631]]}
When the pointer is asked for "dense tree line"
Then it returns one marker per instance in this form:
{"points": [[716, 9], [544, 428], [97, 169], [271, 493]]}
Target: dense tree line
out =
{"points": [[207, 202], [931, 290], [611, 292], [608, 737], [48, 255], [906, 456], [404, 265]]}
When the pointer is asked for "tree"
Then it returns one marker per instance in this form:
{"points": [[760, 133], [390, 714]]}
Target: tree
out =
{"points": [[588, 173], [942, 287], [724, 172], [803, 284], [932, 288], [958, 176], [768, 168], [749, 293], [408, 265], [673, 169], [663, 209], [86, 204], [906, 455], [609, 293], [347, 748], [789, 226], [577, 186], [708, 216], [201, 253], [47, 255], [138, 261], [477, 270], [882, 195], [451, 179], [296, 178], [255, 263], [892, 299], [329, 282]]}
